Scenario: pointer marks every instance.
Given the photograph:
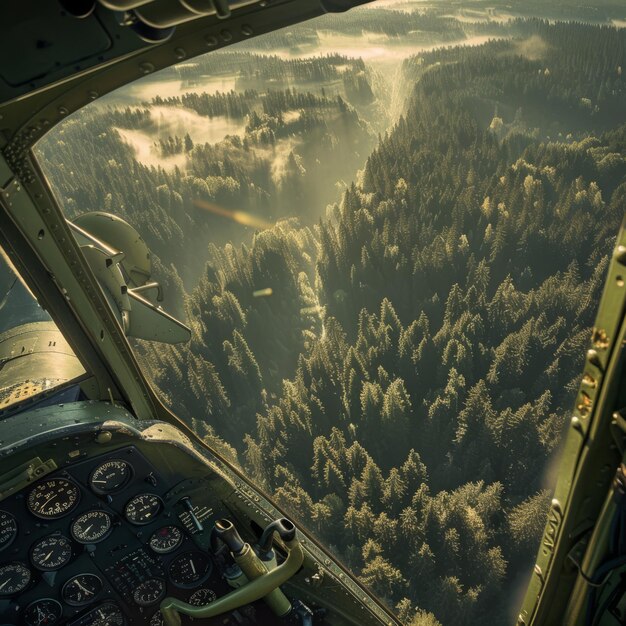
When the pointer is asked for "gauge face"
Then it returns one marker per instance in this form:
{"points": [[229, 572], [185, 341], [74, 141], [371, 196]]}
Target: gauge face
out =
{"points": [[189, 569], [143, 508], [14, 578], [201, 597], [50, 553], [157, 619], [8, 529], [149, 592], [81, 589], [44, 612], [110, 476], [166, 539], [53, 498], [107, 614], [91, 527]]}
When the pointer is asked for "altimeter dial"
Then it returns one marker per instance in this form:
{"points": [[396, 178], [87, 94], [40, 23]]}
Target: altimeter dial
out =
{"points": [[53, 498], [91, 527], [166, 539], [51, 553]]}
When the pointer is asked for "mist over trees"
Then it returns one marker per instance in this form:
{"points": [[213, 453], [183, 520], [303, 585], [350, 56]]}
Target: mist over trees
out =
{"points": [[396, 368]]}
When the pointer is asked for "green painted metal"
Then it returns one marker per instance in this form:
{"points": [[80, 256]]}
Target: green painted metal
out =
{"points": [[588, 460], [250, 592]]}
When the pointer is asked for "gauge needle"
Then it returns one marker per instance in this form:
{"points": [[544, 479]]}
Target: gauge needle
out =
{"points": [[193, 567], [87, 529], [47, 556], [52, 497], [4, 583], [87, 592]]}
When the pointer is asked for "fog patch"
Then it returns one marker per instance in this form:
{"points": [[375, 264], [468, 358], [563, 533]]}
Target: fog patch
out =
{"points": [[146, 152], [534, 48], [279, 157], [174, 121]]}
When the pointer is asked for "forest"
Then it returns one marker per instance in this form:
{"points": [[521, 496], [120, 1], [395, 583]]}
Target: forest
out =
{"points": [[389, 340]]}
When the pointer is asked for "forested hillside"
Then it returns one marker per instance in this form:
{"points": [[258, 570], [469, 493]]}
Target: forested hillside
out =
{"points": [[396, 368]]}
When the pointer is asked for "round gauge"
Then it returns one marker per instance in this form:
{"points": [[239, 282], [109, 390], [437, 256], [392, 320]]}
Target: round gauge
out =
{"points": [[44, 612], [53, 498], [107, 614], [189, 569], [201, 597], [156, 619], [81, 589], [91, 527], [110, 476], [8, 529], [149, 592], [143, 508], [14, 578], [166, 539], [50, 553]]}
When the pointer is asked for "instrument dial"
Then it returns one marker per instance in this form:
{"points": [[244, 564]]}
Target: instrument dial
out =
{"points": [[8, 529], [143, 508], [149, 592], [50, 553], [189, 569], [166, 539], [202, 597], [53, 498], [14, 578], [110, 476], [81, 589], [91, 527], [107, 614], [157, 619], [44, 612]]}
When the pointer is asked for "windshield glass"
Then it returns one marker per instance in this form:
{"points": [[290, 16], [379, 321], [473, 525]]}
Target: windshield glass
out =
{"points": [[34, 356], [388, 232]]}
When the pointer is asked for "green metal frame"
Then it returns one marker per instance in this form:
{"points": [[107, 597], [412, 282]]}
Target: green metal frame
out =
{"points": [[589, 460]]}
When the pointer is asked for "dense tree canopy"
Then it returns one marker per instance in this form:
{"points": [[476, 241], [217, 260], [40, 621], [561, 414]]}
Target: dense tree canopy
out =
{"points": [[400, 365]]}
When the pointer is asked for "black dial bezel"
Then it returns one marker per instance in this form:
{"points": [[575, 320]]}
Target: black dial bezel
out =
{"points": [[195, 583], [169, 550], [42, 568], [105, 492], [72, 579], [15, 529], [39, 601], [21, 590], [57, 515], [83, 541], [156, 599], [139, 495], [104, 605], [196, 591]]}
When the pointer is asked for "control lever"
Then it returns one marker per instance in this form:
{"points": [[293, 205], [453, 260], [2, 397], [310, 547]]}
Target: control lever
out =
{"points": [[187, 504], [249, 564], [262, 583]]}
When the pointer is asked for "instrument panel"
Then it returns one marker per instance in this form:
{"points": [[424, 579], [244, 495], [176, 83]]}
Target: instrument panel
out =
{"points": [[96, 544]]}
